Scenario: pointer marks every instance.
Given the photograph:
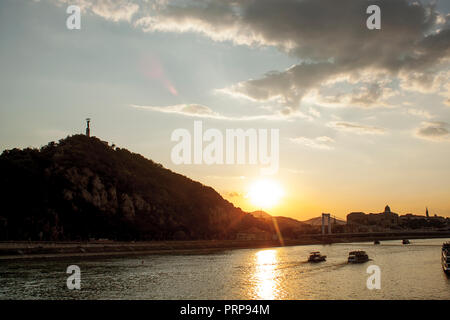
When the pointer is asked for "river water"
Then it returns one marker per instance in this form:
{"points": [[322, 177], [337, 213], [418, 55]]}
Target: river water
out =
{"points": [[406, 272]]}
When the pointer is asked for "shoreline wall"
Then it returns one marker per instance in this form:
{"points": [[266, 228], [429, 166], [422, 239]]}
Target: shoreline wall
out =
{"points": [[34, 250]]}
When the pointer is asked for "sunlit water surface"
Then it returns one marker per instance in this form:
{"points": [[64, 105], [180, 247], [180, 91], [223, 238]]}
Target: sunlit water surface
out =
{"points": [[407, 272]]}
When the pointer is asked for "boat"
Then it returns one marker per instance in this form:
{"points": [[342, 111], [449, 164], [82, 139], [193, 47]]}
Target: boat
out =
{"points": [[406, 241], [358, 257], [376, 242], [445, 258], [316, 257]]}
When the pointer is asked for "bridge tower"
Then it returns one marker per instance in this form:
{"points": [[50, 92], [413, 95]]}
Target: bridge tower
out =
{"points": [[328, 217]]}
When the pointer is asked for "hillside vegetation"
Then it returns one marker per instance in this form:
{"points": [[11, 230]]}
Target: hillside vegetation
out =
{"points": [[81, 188]]}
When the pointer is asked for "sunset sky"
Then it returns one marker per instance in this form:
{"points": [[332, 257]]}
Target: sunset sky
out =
{"points": [[364, 115]]}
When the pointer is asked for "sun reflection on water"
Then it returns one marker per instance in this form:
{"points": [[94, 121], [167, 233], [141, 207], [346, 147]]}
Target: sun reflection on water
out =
{"points": [[265, 275]]}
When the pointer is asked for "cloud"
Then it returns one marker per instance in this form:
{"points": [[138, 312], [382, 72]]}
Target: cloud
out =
{"points": [[331, 43], [331, 40], [435, 131], [218, 20], [424, 82], [374, 93], [193, 110], [114, 10], [234, 194], [314, 112], [323, 143], [446, 94], [287, 87], [420, 113], [356, 128], [186, 109], [201, 111], [317, 29]]}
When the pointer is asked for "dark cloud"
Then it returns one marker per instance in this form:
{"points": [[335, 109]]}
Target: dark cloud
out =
{"points": [[373, 93], [288, 86], [329, 37], [437, 131]]}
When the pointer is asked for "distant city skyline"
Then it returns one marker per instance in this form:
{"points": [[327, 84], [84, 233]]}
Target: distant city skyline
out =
{"points": [[363, 115]]}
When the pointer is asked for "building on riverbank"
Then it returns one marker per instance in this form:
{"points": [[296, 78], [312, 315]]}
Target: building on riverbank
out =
{"points": [[360, 220], [254, 234], [413, 221], [373, 222]]}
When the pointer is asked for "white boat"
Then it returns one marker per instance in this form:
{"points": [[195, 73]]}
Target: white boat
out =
{"points": [[445, 258]]}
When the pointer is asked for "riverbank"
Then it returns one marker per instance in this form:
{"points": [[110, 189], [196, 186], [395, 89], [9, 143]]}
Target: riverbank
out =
{"points": [[55, 250]]}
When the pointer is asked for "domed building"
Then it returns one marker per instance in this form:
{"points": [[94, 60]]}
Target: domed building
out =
{"points": [[386, 219]]}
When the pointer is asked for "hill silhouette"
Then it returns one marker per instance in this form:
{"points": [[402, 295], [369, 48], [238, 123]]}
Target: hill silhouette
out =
{"points": [[289, 227], [82, 188]]}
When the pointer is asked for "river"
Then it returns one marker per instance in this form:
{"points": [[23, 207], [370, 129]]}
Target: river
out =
{"points": [[406, 272]]}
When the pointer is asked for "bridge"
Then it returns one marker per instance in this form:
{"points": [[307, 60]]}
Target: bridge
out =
{"points": [[372, 236], [328, 217]]}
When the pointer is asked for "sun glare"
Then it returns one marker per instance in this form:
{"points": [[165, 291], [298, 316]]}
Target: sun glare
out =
{"points": [[265, 193], [266, 275]]}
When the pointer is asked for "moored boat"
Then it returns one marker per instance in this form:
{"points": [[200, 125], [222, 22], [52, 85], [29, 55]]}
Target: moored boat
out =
{"points": [[445, 257], [358, 257]]}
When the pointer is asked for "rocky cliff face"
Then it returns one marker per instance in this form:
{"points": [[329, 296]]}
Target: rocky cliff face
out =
{"points": [[82, 188]]}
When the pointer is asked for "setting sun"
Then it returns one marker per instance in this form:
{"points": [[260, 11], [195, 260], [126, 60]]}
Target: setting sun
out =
{"points": [[265, 193]]}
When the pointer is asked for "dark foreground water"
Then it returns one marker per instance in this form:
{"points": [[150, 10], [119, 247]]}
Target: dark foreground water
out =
{"points": [[407, 272]]}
